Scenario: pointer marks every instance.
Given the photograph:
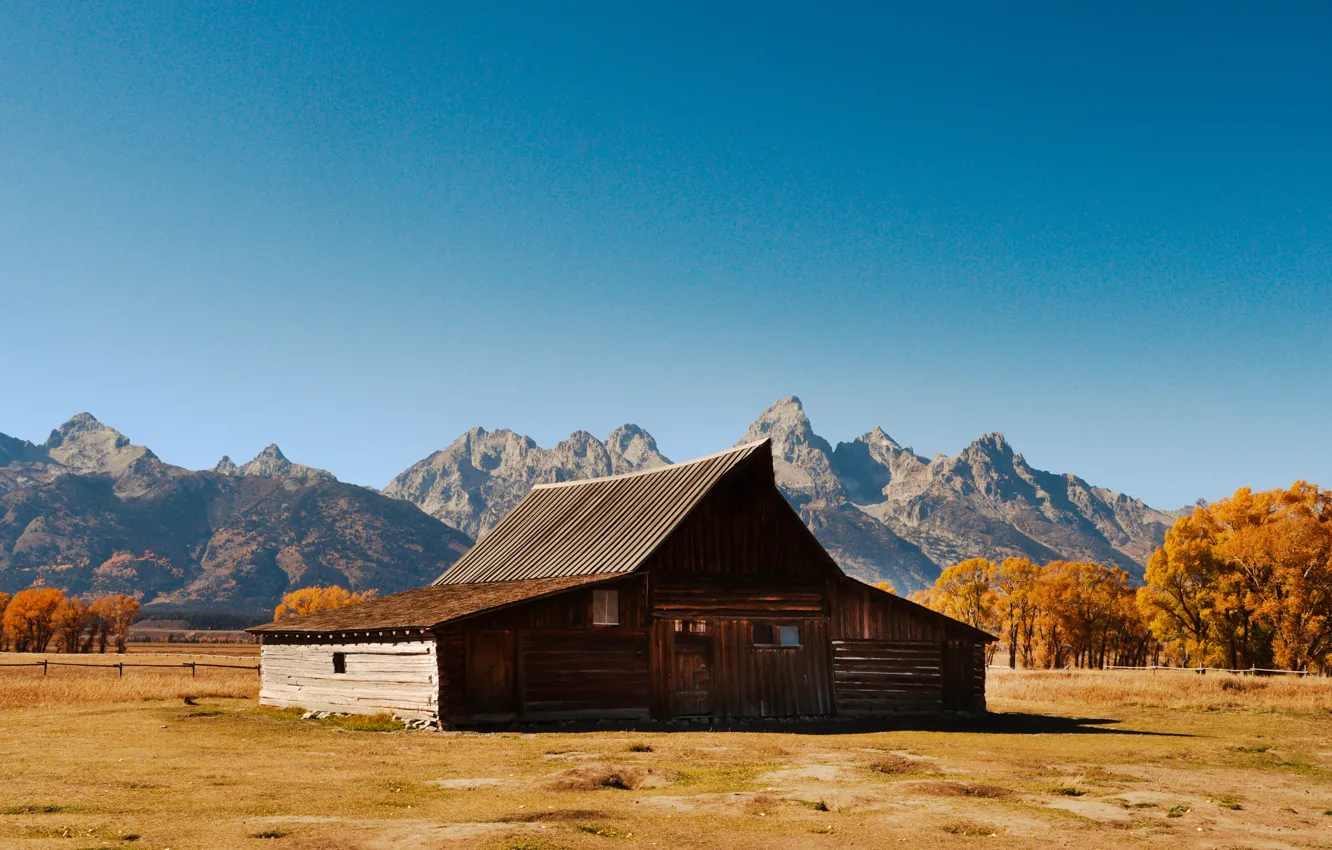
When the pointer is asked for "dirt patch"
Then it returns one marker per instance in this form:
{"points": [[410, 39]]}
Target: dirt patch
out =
{"points": [[968, 828], [596, 776], [464, 784], [1094, 810], [734, 803], [554, 816], [818, 772], [977, 790]]}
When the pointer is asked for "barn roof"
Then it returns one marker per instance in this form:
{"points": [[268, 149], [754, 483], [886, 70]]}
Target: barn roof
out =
{"points": [[426, 607], [597, 526]]}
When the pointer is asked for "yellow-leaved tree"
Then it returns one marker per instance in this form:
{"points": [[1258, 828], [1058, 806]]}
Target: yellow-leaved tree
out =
{"points": [[29, 622], [309, 600]]}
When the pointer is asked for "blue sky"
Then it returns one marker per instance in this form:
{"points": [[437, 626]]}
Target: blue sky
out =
{"points": [[358, 229]]}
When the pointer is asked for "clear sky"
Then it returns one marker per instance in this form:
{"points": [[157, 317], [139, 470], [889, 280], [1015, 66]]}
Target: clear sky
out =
{"points": [[357, 229]]}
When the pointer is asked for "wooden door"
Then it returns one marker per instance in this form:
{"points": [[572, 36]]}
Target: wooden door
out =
{"points": [[692, 690], [490, 672]]}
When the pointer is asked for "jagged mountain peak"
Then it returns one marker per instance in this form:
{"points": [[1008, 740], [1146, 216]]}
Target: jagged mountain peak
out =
{"points": [[802, 459], [85, 445], [271, 452], [631, 448], [481, 475], [272, 463]]}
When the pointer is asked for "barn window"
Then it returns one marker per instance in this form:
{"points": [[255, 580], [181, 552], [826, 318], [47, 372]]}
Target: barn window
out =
{"points": [[693, 627], [605, 607], [767, 634], [339, 662]]}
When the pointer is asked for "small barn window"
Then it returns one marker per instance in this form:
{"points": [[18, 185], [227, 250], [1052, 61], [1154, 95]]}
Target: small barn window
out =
{"points": [[693, 627], [339, 662], [605, 607], [767, 634]]}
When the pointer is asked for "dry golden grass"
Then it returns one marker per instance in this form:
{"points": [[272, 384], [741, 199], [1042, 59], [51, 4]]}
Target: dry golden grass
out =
{"points": [[22, 687], [228, 774], [1163, 689]]}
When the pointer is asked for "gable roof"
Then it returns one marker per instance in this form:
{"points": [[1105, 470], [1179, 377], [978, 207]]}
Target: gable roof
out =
{"points": [[427, 607], [597, 526]]}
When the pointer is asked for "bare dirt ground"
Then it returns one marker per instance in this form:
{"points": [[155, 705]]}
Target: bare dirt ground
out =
{"points": [[1048, 768]]}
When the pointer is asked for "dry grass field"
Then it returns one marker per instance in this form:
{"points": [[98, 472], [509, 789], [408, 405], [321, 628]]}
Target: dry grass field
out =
{"points": [[1065, 760]]}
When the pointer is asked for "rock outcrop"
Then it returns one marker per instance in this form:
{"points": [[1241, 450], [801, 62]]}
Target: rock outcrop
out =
{"points": [[482, 474]]}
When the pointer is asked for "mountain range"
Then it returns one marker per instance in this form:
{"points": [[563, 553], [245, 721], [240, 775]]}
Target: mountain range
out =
{"points": [[90, 511], [883, 511]]}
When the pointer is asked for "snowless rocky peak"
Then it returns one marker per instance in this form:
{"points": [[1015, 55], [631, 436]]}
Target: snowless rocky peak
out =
{"points": [[272, 463], [482, 474], [631, 449], [802, 460], [87, 446]]}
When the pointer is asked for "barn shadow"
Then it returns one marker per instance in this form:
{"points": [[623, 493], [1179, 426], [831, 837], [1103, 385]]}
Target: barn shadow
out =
{"points": [[1007, 723]]}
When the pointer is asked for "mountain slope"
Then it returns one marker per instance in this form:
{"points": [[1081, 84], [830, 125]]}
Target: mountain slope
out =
{"points": [[480, 476], [880, 509], [88, 511]]}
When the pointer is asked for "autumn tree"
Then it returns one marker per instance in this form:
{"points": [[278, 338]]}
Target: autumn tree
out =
{"points": [[29, 621], [4, 638], [309, 600], [886, 586], [1247, 581], [110, 618], [1014, 590], [72, 620]]}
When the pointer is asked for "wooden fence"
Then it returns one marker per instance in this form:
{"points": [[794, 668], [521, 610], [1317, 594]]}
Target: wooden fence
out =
{"points": [[1248, 671], [120, 666]]}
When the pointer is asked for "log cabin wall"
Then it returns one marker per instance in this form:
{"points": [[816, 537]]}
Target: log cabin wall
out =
{"points": [[556, 663], [890, 655], [353, 677]]}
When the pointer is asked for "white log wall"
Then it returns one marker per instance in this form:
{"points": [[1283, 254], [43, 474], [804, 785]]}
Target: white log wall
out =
{"points": [[401, 679]]}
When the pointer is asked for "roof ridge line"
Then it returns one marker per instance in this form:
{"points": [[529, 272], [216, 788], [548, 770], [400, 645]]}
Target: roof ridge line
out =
{"points": [[578, 482]]}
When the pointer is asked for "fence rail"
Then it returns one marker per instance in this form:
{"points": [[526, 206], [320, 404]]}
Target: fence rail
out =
{"points": [[1251, 671], [119, 666]]}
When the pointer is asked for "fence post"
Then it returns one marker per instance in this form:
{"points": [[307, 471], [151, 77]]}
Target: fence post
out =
{"points": [[193, 670], [121, 668], [43, 666]]}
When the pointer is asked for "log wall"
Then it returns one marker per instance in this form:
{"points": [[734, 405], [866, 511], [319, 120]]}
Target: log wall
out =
{"points": [[398, 678], [884, 676]]}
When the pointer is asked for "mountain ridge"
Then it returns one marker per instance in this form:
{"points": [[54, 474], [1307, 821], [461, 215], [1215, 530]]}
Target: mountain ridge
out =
{"points": [[880, 509], [89, 511]]}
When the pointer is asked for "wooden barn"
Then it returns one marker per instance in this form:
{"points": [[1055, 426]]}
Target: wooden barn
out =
{"points": [[688, 591]]}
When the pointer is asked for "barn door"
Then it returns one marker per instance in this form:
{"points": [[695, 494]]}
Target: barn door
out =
{"points": [[959, 665], [693, 674], [490, 673]]}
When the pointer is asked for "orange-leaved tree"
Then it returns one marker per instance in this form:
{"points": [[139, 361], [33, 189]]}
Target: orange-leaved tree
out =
{"points": [[309, 600], [963, 592], [886, 586], [1015, 607], [1247, 581], [29, 621], [110, 617], [72, 619], [4, 640]]}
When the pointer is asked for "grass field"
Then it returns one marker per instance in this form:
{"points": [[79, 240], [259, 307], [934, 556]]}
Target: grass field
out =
{"points": [[1065, 760]]}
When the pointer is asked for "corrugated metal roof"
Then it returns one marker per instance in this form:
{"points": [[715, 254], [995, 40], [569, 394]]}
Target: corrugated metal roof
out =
{"points": [[601, 525], [426, 607]]}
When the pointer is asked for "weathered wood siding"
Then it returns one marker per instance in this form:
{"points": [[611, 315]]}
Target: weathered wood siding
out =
{"points": [[399, 678], [564, 667], [883, 676], [889, 655], [569, 674]]}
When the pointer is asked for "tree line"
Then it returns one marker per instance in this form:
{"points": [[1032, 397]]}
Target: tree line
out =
{"points": [[39, 618], [1243, 582]]}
